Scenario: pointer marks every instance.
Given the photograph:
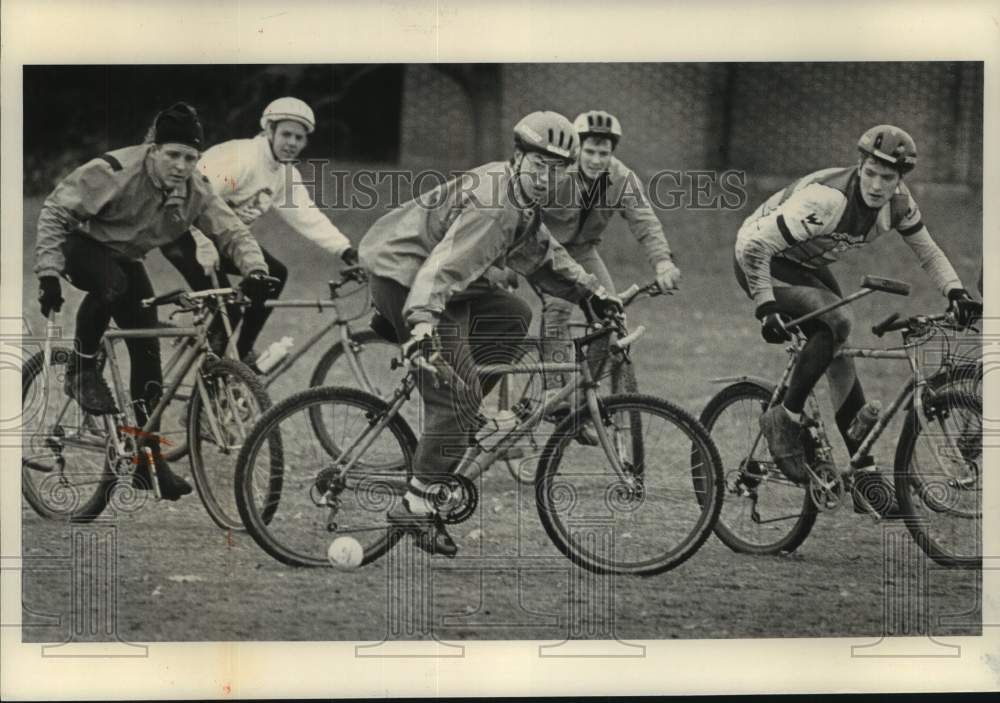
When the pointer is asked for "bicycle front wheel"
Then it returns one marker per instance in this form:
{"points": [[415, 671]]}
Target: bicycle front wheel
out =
{"points": [[323, 496], [763, 512], [65, 473], [939, 481], [646, 520], [216, 433]]}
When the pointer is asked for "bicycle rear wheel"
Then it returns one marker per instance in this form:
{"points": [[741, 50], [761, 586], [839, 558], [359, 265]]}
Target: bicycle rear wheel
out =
{"points": [[939, 481], [647, 521], [65, 472], [763, 512], [237, 400], [319, 498]]}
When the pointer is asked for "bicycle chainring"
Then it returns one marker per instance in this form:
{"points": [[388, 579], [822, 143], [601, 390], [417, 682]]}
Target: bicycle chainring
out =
{"points": [[455, 498], [826, 487]]}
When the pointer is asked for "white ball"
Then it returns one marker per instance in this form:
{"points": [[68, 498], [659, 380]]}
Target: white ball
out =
{"points": [[345, 553]]}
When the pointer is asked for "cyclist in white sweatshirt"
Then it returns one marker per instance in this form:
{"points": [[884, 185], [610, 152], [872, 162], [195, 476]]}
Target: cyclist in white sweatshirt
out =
{"points": [[253, 176]]}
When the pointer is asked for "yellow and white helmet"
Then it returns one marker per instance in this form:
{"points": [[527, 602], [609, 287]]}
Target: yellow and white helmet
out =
{"points": [[891, 145], [548, 133], [289, 109], [599, 124]]}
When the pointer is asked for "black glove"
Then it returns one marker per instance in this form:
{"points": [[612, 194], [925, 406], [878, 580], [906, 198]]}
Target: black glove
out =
{"points": [[258, 287], [772, 329], [350, 256], [49, 294], [966, 310], [601, 306]]}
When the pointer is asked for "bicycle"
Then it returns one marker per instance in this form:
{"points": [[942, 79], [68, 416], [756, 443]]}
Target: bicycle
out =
{"points": [[938, 459], [635, 508], [347, 361], [75, 463], [621, 374]]}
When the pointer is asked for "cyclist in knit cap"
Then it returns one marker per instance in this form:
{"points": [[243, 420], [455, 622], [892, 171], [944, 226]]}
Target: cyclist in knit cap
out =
{"points": [[94, 229]]}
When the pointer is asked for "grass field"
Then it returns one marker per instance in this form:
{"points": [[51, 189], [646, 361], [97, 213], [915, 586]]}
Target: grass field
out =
{"points": [[180, 578]]}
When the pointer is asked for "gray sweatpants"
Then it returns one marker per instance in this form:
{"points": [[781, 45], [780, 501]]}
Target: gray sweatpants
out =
{"points": [[556, 314], [476, 328]]}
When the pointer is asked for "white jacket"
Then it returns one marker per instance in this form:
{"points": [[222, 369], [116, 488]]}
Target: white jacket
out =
{"points": [[251, 181]]}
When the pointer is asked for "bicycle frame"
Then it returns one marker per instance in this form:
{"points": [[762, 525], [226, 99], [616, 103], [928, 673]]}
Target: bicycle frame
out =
{"points": [[338, 321], [190, 355], [910, 394], [628, 296], [476, 459]]}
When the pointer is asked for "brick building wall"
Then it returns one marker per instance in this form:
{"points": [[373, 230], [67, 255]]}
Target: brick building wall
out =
{"points": [[766, 118]]}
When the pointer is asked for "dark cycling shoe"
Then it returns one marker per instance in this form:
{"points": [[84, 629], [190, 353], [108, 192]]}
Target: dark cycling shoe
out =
{"points": [[88, 388], [873, 488], [427, 530], [784, 440], [172, 486]]}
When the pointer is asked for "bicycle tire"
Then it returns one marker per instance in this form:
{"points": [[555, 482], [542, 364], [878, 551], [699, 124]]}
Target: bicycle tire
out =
{"points": [[967, 376], [623, 381], [924, 493], [552, 491], [213, 479], [321, 375], [62, 502], [296, 531], [743, 479]]}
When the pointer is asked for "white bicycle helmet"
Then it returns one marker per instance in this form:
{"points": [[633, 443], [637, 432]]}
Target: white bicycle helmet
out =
{"points": [[548, 133], [289, 109]]}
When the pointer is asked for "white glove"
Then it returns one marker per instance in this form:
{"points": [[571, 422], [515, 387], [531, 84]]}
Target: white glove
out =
{"points": [[668, 276], [421, 331], [205, 252]]}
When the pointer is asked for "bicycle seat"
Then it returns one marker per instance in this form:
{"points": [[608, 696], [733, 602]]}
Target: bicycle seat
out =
{"points": [[383, 328]]}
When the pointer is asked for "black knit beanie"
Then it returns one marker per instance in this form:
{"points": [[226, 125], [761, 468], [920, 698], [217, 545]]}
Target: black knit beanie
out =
{"points": [[178, 124]]}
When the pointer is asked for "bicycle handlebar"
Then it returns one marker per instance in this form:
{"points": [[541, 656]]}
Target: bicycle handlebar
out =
{"points": [[915, 323], [628, 339], [351, 274], [634, 291], [884, 326], [186, 298], [169, 298]]}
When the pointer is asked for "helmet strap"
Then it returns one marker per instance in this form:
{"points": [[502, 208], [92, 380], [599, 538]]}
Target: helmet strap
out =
{"points": [[270, 131], [518, 196]]}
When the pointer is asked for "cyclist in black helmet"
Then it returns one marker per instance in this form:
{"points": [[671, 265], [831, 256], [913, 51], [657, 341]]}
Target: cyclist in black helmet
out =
{"points": [[783, 253]]}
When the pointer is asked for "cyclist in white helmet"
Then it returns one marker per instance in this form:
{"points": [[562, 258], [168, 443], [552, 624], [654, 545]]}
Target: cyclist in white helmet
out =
{"points": [[599, 187], [428, 262], [252, 176], [783, 251]]}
